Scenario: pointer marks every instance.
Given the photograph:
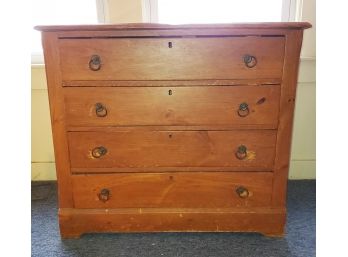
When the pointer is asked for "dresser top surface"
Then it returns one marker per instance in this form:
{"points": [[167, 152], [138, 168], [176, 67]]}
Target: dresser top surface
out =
{"points": [[150, 26]]}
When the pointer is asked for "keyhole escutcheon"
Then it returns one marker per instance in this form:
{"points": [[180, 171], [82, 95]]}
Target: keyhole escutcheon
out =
{"points": [[170, 92], [170, 44]]}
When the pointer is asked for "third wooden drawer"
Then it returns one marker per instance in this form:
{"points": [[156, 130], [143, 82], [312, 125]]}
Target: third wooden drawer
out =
{"points": [[140, 150]]}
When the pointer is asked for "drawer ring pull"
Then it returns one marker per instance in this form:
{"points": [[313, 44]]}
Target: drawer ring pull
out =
{"points": [[243, 110], [100, 110], [104, 195], [99, 151], [250, 61], [95, 63], [241, 153], [242, 192]]}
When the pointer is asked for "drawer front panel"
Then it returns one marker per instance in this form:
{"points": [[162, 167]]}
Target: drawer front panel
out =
{"points": [[206, 105], [252, 149], [172, 58], [181, 190]]}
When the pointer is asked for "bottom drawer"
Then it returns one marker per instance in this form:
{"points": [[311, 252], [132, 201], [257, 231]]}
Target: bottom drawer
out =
{"points": [[173, 189]]}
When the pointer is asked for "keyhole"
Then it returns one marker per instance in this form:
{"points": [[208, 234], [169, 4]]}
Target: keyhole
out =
{"points": [[170, 135], [170, 44], [170, 92]]}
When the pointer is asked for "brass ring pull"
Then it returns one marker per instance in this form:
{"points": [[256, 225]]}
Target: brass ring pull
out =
{"points": [[104, 195], [100, 110], [95, 63], [249, 60], [243, 110], [99, 151], [242, 192], [241, 153]]}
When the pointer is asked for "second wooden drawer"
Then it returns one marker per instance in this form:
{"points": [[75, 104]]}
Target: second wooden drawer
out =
{"points": [[200, 105], [242, 149]]}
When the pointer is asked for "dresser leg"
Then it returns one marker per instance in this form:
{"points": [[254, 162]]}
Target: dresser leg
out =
{"points": [[273, 233], [67, 235], [66, 227]]}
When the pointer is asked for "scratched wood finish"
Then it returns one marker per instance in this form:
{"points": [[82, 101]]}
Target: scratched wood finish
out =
{"points": [[173, 149], [173, 189], [170, 105], [158, 58], [268, 221], [173, 153]]}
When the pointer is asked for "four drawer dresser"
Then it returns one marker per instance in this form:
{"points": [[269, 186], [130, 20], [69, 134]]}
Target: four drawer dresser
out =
{"points": [[172, 127]]}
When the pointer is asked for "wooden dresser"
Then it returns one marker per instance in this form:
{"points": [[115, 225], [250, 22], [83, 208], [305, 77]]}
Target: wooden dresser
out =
{"points": [[172, 128]]}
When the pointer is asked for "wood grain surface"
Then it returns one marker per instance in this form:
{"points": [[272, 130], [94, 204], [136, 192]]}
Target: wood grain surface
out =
{"points": [[177, 106], [173, 189], [154, 59], [132, 149], [287, 107], [268, 221], [56, 103]]}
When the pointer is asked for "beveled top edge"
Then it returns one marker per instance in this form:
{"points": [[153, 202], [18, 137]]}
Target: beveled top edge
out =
{"points": [[148, 26]]}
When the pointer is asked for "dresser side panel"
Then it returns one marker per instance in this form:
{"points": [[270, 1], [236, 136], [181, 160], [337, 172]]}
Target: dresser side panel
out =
{"points": [[56, 102], [286, 114]]}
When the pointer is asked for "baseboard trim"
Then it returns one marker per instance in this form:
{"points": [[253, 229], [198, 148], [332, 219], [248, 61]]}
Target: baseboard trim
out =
{"points": [[302, 169], [43, 171]]}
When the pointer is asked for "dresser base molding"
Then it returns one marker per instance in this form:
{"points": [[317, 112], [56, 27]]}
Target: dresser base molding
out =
{"points": [[267, 221]]}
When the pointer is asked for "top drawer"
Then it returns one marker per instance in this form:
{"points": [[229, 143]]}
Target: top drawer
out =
{"points": [[172, 58]]}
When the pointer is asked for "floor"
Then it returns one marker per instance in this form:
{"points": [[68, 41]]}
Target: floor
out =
{"points": [[298, 242]]}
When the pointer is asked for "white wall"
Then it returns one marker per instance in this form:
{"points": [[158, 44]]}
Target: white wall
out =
{"points": [[303, 157]]}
